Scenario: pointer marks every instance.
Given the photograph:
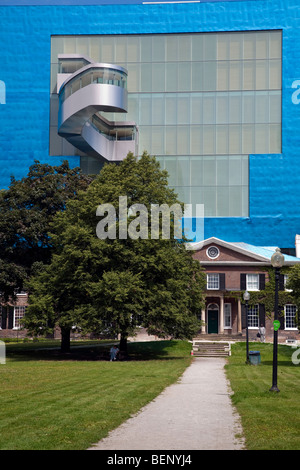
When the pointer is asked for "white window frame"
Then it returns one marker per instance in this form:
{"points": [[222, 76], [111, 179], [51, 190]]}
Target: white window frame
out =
{"points": [[249, 284], [285, 280], [253, 314], [214, 278], [17, 323], [229, 314], [290, 316]]}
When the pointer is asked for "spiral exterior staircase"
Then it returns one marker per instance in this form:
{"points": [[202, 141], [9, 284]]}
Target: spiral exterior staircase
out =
{"points": [[86, 90]]}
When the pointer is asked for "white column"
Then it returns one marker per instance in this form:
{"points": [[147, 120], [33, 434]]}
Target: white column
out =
{"points": [[239, 320], [221, 327], [203, 320]]}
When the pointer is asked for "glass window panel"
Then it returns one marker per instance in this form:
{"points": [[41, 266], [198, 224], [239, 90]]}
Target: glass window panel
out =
{"points": [[146, 48], [171, 77], [133, 49], [248, 105], [275, 45], [249, 75], [223, 46], [158, 48], [82, 46], [197, 76], [235, 75], [133, 83], [196, 196], [95, 49], [222, 171], [158, 109], [235, 108], [133, 108], [145, 110], [235, 170], [222, 201], [120, 50], [145, 138], [184, 76], [236, 46], [183, 169], [209, 139], [245, 170], [275, 107], [275, 74], [158, 78], [171, 140], [196, 140], [183, 109], [171, 109], [275, 138], [209, 201], [196, 171], [262, 138], [171, 48], [171, 167], [146, 77], [107, 50], [235, 141], [210, 76], [157, 142], [210, 46], [262, 45], [184, 47], [261, 107], [223, 76], [221, 139], [235, 201], [222, 108], [249, 46], [248, 138], [209, 108], [262, 75], [209, 171], [196, 109], [197, 47], [57, 46], [69, 45], [183, 140]]}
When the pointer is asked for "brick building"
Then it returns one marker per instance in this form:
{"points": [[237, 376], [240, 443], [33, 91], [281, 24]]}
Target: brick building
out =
{"points": [[232, 268]]}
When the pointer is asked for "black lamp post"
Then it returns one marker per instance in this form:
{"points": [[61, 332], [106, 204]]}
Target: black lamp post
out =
{"points": [[247, 298], [277, 261]]}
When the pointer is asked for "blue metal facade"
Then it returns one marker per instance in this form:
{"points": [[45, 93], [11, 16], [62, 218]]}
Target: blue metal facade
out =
{"points": [[25, 36]]}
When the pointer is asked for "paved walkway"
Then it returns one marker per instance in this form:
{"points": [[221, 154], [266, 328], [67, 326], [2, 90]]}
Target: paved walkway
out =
{"points": [[193, 414]]}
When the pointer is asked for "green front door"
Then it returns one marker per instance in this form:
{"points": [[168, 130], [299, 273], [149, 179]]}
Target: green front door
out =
{"points": [[213, 321]]}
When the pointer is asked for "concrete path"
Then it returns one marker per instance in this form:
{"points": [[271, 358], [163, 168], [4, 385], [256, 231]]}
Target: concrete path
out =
{"points": [[193, 414]]}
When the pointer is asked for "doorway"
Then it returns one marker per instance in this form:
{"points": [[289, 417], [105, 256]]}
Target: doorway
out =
{"points": [[213, 319]]}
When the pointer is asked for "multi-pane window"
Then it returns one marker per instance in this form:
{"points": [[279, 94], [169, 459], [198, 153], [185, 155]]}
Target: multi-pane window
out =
{"points": [[290, 316], [253, 316], [213, 281], [203, 102], [285, 281], [227, 315], [252, 282], [19, 313]]}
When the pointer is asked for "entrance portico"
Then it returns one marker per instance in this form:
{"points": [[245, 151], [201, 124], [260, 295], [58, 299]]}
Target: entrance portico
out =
{"points": [[221, 315]]}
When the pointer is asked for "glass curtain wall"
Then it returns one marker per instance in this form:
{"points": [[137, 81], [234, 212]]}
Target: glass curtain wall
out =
{"points": [[203, 102]]}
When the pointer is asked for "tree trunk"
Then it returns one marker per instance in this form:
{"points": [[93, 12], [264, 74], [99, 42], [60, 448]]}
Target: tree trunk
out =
{"points": [[65, 340], [123, 343]]}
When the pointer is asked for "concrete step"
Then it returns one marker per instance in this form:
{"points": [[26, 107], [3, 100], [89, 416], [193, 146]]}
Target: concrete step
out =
{"points": [[211, 349]]}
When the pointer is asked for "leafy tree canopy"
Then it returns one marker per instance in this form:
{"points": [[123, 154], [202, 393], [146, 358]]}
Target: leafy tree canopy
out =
{"points": [[118, 284], [27, 209]]}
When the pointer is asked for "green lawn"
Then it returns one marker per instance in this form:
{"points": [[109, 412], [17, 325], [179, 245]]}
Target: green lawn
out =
{"points": [[48, 402], [270, 420]]}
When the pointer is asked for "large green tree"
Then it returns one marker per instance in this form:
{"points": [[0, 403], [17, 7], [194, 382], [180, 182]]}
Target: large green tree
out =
{"points": [[118, 282], [27, 209]]}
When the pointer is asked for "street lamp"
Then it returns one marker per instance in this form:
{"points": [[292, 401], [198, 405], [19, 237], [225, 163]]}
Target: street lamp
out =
{"points": [[247, 298], [277, 261]]}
